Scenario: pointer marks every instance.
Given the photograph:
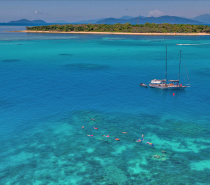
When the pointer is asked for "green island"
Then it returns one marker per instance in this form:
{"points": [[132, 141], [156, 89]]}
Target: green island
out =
{"points": [[125, 28]]}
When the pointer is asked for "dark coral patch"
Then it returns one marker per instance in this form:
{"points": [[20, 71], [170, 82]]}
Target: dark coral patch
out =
{"points": [[65, 54]]}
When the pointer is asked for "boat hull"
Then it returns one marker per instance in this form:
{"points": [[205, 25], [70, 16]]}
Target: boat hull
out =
{"points": [[177, 88], [168, 87]]}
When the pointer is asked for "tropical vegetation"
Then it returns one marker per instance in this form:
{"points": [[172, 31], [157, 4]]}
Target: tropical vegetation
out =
{"points": [[127, 27]]}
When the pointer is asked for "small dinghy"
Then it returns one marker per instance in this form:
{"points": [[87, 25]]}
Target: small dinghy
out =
{"points": [[143, 85]]}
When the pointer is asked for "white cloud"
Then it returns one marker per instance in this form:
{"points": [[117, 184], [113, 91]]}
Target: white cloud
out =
{"points": [[38, 12], [155, 13]]}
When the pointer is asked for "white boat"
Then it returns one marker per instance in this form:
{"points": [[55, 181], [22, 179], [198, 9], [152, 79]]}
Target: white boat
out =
{"points": [[173, 84], [161, 84]]}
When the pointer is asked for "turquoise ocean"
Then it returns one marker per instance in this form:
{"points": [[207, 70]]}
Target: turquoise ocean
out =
{"points": [[56, 89]]}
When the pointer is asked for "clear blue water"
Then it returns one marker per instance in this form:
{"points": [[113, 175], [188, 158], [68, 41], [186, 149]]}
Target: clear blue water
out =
{"points": [[53, 84]]}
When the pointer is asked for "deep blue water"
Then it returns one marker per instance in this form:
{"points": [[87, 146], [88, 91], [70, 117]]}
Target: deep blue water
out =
{"points": [[53, 84]]}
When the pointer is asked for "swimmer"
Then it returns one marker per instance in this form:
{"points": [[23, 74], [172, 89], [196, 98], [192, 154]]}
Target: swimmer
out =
{"points": [[90, 135], [106, 136], [117, 139], [92, 119], [95, 128], [142, 135], [139, 140], [124, 132], [150, 143], [83, 127]]}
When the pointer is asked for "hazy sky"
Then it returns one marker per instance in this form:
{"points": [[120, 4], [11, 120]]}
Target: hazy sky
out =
{"points": [[75, 10]]}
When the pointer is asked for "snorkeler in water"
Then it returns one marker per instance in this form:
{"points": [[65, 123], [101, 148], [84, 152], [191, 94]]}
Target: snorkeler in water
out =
{"points": [[106, 136], [150, 143], [139, 140]]}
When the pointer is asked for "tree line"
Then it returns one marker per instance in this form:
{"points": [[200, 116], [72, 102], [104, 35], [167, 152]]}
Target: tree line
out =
{"points": [[127, 27]]}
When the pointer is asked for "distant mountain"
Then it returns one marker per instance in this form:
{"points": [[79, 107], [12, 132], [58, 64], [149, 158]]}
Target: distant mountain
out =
{"points": [[93, 21], [25, 22], [113, 21], [60, 21], [129, 17], [205, 18], [143, 20], [126, 17]]}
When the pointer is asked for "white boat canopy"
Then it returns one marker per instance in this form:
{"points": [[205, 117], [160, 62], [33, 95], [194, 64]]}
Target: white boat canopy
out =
{"points": [[155, 81]]}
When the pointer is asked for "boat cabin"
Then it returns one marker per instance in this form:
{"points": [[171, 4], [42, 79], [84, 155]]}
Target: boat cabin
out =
{"points": [[174, 83], [158, 83]]}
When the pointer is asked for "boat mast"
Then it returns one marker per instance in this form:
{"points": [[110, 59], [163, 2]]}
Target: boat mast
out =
{"points": [[180, 63], [166, 63]]}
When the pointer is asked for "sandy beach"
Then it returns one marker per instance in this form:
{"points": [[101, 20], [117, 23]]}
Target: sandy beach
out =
{"points": [[116, 33]]}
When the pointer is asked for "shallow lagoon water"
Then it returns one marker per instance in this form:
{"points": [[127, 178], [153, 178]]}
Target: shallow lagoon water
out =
{"points": [[53, 84]]}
